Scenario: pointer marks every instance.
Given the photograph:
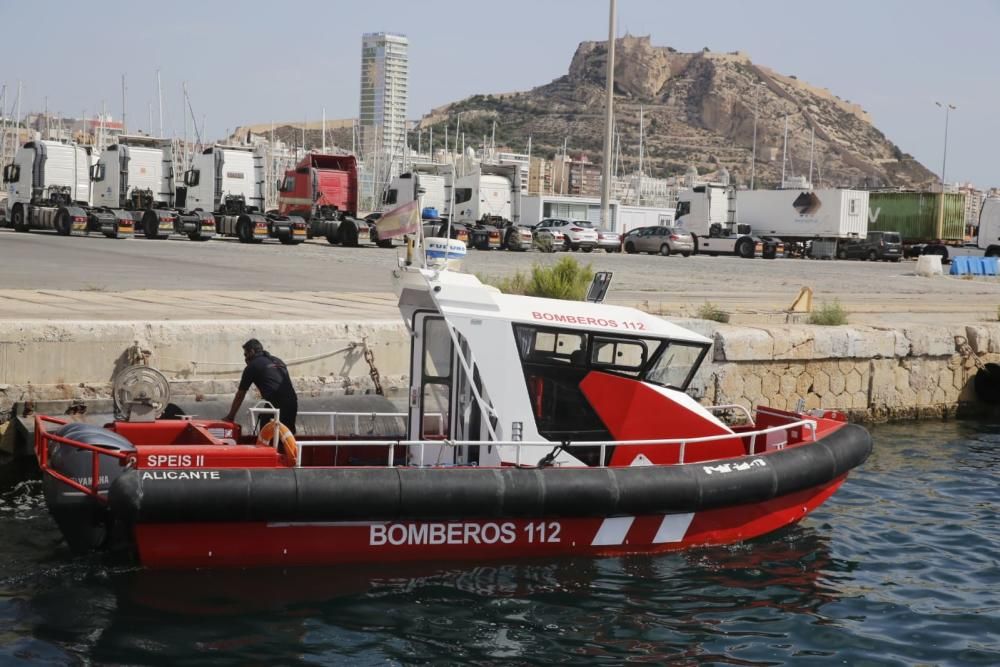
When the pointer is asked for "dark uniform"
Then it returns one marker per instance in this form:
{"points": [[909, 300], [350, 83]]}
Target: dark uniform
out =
{"points": [[270, 375]]}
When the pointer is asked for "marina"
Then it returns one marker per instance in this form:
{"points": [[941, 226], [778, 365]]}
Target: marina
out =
{"points": [[591, 350]]}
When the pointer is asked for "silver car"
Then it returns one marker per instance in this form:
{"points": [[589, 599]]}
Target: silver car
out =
{"points": [[607, 241], [663, 240]]}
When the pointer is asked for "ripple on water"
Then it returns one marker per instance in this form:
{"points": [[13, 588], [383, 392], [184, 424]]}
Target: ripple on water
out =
{"points": [[900, 567]]}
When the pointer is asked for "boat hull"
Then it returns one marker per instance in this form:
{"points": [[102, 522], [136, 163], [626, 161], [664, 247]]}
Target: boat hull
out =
{"points": [[302, 543]]}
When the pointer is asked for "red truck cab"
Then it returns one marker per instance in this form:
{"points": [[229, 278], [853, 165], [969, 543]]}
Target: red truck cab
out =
{"points": [[326, 185]]}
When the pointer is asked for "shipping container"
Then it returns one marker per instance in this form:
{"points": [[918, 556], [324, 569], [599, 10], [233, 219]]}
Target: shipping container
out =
{"points": [[915, 214], [804, 214]]}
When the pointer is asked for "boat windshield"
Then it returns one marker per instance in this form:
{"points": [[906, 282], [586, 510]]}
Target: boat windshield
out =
{"points": [[676, 364]]}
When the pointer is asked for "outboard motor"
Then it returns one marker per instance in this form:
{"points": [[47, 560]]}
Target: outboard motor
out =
{"points": [[84, 522]]}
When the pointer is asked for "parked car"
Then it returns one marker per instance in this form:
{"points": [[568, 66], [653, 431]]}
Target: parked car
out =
{"points": [[576, 237], [658, 239], [547, 239], [607, 241], [885, 246], [439, 227]]}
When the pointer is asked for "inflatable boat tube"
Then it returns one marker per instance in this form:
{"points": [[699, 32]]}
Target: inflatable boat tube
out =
{"points": [[343, 494]]}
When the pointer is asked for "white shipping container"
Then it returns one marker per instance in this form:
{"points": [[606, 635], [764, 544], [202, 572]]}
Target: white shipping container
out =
{"points": [[631, 217], [804, 214]]}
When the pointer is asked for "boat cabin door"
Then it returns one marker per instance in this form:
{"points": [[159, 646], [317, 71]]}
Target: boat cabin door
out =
{"points": [[435, 382]]}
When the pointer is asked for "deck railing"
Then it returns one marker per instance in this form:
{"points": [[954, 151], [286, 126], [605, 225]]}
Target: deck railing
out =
{"points": [[43, 437], [806, 425]]}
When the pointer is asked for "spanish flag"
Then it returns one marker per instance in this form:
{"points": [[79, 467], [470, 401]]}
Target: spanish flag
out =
{"points": [[399, 221]]}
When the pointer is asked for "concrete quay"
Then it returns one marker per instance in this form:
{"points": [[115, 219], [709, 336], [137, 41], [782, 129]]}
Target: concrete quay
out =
{"points": [[76, 342]]}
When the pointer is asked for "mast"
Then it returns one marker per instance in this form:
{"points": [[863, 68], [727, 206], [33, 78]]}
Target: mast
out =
{"points": [[159, 95], [608, 121], [430, 143], [124, 123], [184, 147], [638, 190], [784, 153], [812, 147], [324, 129]]}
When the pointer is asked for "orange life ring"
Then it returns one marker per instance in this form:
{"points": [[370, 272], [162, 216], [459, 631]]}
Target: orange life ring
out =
{"points": [[285, 438]]}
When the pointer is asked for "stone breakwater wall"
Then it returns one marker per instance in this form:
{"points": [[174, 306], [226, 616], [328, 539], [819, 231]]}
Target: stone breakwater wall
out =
{"points": [[76, 360], [871, 373]]}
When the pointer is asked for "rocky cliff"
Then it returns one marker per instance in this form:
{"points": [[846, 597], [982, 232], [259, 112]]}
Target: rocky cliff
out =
{"points": [[698, 109]]}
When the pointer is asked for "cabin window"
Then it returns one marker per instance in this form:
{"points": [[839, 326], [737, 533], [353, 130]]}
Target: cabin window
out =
{"points": [[11, 173], [683, 208], [437, 380], [462, 195], [437, 350], [391, 195], [628, 356], [676, 365], [289, 184]]}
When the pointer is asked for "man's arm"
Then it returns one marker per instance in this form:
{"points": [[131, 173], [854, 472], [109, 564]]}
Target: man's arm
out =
{"points": [[237, 402]]}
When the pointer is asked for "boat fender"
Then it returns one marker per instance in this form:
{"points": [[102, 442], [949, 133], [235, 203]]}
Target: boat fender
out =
{"points": [[286, 440], [987, 383]]}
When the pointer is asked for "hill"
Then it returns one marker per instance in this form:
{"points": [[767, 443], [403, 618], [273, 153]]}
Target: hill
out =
{"points": [[698, 109]]}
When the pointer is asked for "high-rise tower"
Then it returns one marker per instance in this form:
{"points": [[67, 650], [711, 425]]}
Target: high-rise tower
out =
{"points": [[384, 93]]}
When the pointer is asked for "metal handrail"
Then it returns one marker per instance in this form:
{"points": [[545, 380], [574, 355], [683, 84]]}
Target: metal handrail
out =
{"points": [[43, 437], [807, 424]]}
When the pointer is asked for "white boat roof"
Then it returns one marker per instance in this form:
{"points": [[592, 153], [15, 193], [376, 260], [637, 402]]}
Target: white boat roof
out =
{"points": [[462, 294]]}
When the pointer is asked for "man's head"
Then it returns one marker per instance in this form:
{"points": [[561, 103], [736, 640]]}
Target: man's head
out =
{"points": [[251, 349]]}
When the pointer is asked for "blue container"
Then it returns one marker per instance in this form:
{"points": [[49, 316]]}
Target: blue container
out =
{"points": [[429, 213]]}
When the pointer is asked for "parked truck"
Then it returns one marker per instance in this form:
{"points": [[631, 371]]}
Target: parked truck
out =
{"points": [[48, 187], [810, 222], [136, 178], [987, 240], [915, 215], [435, 180], [708, 213], [323, 191], [228, 181], [489, 200]]}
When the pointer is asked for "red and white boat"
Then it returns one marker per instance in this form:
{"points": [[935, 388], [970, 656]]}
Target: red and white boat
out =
{"points": [[535, 427]]}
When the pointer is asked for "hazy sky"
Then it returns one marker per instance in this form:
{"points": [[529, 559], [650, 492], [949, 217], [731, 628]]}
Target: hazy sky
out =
{"points": [[255, 61]]}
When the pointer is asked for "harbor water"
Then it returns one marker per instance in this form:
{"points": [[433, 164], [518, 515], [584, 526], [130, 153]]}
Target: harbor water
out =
{"points": [[901, 566]]}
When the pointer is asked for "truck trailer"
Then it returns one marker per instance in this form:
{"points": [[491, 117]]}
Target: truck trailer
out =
{"points": [[323, 190], [228, 181], [792, 218], [987, 241], [136, 177], [48, 187], [915, 215]]}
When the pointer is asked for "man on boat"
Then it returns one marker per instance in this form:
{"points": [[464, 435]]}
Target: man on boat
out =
{"points": [[270, 375]]}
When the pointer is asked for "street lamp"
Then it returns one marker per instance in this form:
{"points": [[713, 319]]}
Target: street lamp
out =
{"points": [[948, 108], [753, 155]]}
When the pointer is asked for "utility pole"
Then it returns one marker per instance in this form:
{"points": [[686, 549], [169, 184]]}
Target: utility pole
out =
{"points": [[608, 121], [944, 164]]}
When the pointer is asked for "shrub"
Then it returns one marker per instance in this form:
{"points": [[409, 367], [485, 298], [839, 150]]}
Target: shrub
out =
{"points": [[829, 315], [709, 311], [566, 279]]}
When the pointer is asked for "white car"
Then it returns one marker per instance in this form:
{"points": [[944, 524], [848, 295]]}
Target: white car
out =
{"points": [[577, 237]]}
